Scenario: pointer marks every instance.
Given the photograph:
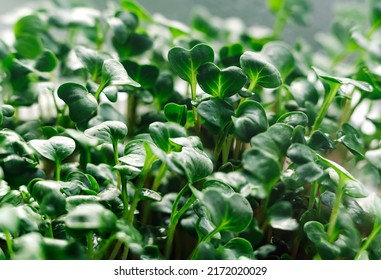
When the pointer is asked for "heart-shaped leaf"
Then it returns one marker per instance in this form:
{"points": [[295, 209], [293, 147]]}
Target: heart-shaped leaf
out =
{"points": [[220, 83], [82, 105], [56, 148], [134, 44], [351, 139], [300, 153], [260, 71], [250, 119], [185, 62], [108, 131]]}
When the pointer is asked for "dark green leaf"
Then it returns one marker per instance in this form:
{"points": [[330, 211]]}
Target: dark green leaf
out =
{"points": [[262, 166], [309, 172], [279, 53], [300, 153], [250, 119], [185, 63], [259, 70], [176, 113], [56, 148], [193, 163], [134, 7], [135, 44], [90, 217], [303, 91], [294, 119], [217, 114], [321, 141], [28, 46], [343, 81], [229, 55], [82, 105], [145, 75], [108, 131], [48, 195], [280, 216], [113, 73], [350, 138], [46, 62], [220, 83]]}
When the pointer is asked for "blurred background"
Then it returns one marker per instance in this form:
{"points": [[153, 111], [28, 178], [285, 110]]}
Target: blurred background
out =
{"points": [[252, 12]]}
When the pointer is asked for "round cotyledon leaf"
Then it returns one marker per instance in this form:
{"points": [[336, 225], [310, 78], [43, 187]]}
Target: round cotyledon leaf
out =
{"points": [[82, 105], [108, 131], [56, 148]]}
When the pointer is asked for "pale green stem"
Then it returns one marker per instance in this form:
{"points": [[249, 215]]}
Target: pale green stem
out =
{"points": [[376, 230], [335, 211], [324, 107], [8, 239], [58, 170]]}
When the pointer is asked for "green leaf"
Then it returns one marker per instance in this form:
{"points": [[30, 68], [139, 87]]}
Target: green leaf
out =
{"points": [[113, 73], [82, 105], [134, 7], [148, 194], [350, 138], [48, 195], [46, 62], [193, 163], [185, 62], [108, 131], [56, 148], [343, 81], [230, 55], [300, 153], [262, 166], [92, 217], [374, 157], [281, 134], [6, 111], [294, 119], [135, 153], [280, 216], [355, 189], [309, 172], [161, 132], [9, 220], [135, 44], [220, 83], [92, 60], [30, 24], [250, 119], [260, 71], [28, 46], [338, 168], [217, 114], [320, 141], [227, 211], [279, 53], [304, 91], [145, 75], [176, 113]]}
